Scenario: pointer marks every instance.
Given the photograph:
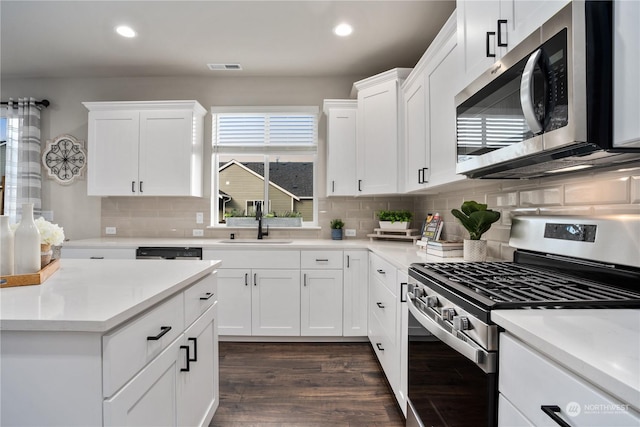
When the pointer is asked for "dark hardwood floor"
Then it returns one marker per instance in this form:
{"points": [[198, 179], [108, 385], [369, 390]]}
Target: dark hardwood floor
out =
{"points": [[303, 385]]}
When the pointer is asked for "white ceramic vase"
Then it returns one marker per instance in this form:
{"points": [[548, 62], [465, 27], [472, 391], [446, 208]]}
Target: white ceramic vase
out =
{"points": [[474, 250], [27, 243], [6, 247]]}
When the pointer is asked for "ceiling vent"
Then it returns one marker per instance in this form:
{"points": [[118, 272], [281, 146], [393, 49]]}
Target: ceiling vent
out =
{"points": [[224, 67]]}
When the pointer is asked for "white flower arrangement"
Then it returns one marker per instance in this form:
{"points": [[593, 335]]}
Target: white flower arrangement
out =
{"points": [[50, 234]]}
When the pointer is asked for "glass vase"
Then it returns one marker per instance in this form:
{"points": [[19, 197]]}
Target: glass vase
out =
{"points": [[27, 243], [6, 247]]}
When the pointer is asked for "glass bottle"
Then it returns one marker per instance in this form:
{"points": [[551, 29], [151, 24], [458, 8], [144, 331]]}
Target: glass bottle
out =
{"points": [[6, 247], [27, 243]]}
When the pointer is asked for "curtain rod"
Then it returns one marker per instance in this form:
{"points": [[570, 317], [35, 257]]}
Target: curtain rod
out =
{"points": [[44, 103]]}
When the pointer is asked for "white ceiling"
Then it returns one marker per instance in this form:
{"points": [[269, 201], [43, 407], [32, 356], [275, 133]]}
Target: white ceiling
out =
{"points": [[178, 38]]}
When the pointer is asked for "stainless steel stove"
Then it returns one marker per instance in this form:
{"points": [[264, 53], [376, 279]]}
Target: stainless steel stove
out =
{"points": [[560, 262]]}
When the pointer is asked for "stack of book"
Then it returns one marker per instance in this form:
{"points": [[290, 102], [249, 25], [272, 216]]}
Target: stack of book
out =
{"points": [[445, 248]]}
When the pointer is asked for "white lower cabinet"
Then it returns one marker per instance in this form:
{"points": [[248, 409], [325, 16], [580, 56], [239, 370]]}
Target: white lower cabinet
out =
{"points": [[308, 293], [355, 293], [385, 321], [534, 389]]}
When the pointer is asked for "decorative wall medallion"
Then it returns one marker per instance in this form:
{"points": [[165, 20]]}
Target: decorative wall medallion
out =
{"points": [[64, 159]]}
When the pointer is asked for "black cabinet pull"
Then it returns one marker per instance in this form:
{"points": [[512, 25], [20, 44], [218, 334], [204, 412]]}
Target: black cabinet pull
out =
{"points": [[551, 411], [359, 185], [195, 349], [381, 271], [163, 331], [403, 295], [208, 296], [96, 257], [133, 186], [246, 278], [379, 345], [489, 54], [420, 178], [255, 279], [380, 305], [347, 261], [322, 260], [140, 185], [500, 23], [188, 360], [304, 281], [424, 176], [333, 186]]}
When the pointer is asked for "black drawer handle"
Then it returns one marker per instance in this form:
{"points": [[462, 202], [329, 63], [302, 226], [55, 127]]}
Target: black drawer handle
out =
{"points": [[188, 359], [208, 296], [379, 345], [552, 411], [382, 271], [195, 349], [96, 257], [379, 304], [163, 331], [140, 185], [133, 186], [322, 260]]}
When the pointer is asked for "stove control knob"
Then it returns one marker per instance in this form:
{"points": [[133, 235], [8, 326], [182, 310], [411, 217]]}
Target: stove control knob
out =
{"points": [[448, 313], [461, 323], [431, 301]]}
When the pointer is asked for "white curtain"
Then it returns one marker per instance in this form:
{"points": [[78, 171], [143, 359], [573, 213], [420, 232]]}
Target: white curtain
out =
{"points": [[23, 176]]}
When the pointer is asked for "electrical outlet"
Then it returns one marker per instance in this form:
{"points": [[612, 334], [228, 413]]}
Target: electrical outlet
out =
{"points": [[197, 232], [199, 218], [110, 230], [350, 232]]}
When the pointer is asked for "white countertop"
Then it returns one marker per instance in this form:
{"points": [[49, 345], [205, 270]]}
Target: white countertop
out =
{"points": [[600, 345], [96, 295], [401, 254]]}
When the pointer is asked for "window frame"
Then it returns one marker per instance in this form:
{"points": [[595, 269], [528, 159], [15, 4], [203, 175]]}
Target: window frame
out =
{"points": [[267, 151]]}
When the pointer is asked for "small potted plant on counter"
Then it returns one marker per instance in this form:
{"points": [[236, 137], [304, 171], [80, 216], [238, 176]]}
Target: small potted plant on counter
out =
{"points": [[395, 219], [336, 228], [477, 219]]}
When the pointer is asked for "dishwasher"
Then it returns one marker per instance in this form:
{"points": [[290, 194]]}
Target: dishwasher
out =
{"points": [[168, 253]]}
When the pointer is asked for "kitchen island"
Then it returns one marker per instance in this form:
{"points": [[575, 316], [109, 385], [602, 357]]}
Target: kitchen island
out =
{"points": [[111, 342]]}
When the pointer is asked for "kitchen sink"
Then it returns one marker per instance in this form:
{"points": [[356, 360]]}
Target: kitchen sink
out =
{"points": [[260, 241]]}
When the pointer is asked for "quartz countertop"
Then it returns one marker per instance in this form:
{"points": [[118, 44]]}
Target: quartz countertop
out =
{"points": [[400, 254], [96, 295], [600, 345]]}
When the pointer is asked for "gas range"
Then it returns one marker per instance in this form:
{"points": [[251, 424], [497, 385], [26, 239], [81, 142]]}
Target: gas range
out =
{"points": [[560, 262]]}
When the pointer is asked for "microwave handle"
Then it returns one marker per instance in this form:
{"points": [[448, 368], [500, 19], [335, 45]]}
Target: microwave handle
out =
{"points": [[526, 90]]}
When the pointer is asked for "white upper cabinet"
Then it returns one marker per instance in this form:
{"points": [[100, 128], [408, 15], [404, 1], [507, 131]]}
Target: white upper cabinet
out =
{"points": [[487, 29], [145, 148], [626, 63], [429, 116], [341, 146], [379, 132]]}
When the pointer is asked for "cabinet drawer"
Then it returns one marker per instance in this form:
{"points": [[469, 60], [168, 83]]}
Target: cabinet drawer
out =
{"points": [[127, 350], [199, 297], [384, 271], [255, 258], [385, 351], [321, 259], [98, 253], [529, 380], [383, 306]]}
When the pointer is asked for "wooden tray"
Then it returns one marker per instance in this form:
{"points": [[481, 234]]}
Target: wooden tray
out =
{"points": [[31, 279]]}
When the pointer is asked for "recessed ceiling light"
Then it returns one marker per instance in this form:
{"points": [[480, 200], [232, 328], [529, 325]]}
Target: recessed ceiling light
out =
{"points": [[343, 30], [125, 31]]}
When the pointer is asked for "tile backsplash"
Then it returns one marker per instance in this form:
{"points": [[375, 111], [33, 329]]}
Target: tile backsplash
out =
{"points": [[616, 192]]}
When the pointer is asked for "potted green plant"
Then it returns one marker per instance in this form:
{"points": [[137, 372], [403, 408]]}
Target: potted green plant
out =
{"points": [[477, 220], [336, 228], [390, 219]]}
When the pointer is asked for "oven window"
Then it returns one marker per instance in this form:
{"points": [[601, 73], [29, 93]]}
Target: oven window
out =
{"points": [[447, 389]]}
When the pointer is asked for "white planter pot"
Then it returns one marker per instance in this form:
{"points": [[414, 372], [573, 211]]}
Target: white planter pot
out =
{"points": [[388, 225], [475, 250]]}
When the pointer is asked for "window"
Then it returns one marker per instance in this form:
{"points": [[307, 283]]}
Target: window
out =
{"points": [[264, 154]]}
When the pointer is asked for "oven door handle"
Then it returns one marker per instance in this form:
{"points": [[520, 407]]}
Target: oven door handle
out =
{"points": [[468, 349]]}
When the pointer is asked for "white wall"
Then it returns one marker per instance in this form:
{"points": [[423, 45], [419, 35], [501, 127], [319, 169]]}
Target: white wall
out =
{"points": [[79, 214]]}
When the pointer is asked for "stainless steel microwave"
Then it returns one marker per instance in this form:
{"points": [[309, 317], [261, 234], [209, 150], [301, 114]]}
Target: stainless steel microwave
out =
{"points": [[547, 105]]}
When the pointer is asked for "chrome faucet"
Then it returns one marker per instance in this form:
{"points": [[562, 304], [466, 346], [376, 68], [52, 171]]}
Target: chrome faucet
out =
{"points": [[261, 233]]}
